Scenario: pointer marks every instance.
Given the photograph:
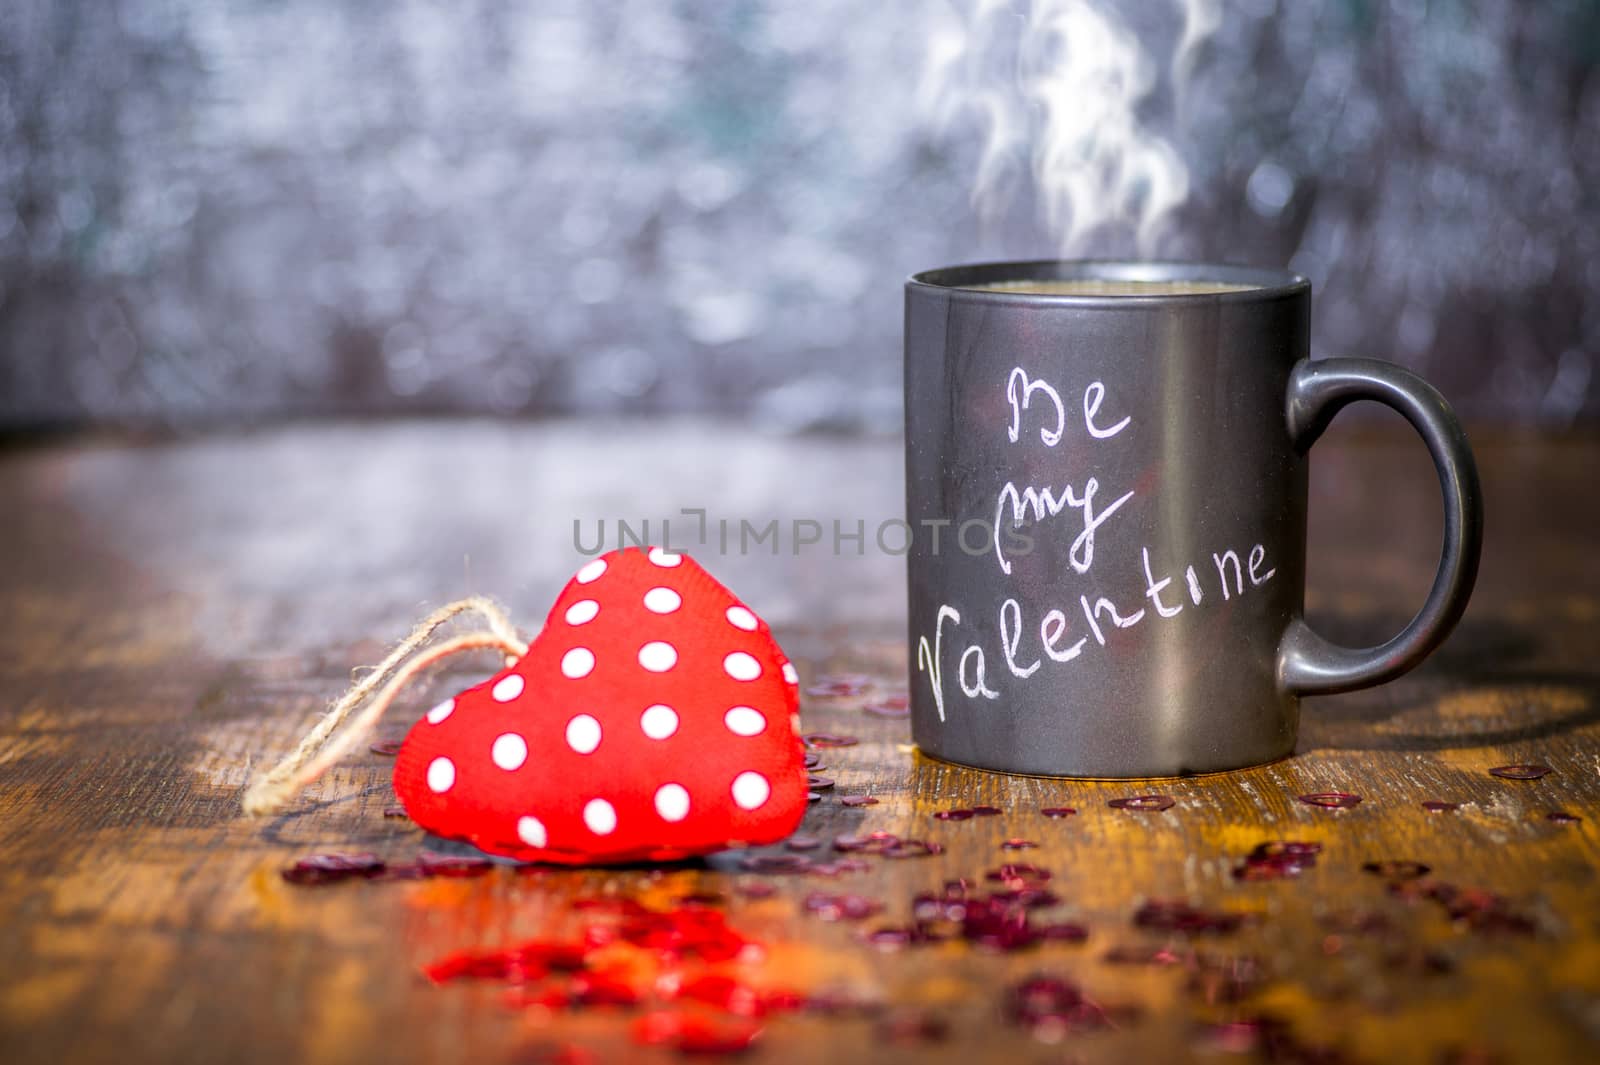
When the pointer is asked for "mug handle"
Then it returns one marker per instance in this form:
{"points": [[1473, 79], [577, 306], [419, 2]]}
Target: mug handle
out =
{"points": [[1311, 665]]}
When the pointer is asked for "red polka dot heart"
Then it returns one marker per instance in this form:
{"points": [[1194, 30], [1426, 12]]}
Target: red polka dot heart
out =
{"points": [[654, 718]]}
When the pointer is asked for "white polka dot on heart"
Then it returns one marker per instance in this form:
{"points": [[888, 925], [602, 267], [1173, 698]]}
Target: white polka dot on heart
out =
{"points": [[531, 831], [578, 662], [658, 656], [741, 666], [582, 612], [662, 600], [789, 673], [659, 721], [591, 573], [751, 790], [509, 751], [583, 734], [741, 618], [672, 802], [744, 721], [600, 816], [507, 688], [442, 711], [441, 775], [665, 559]]}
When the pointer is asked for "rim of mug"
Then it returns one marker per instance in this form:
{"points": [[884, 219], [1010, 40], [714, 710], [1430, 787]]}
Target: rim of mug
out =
{"points": [[962, 280]]}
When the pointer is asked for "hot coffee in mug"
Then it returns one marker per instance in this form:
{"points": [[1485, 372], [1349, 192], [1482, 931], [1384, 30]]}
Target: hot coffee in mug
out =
{"points": [[1106, 481]]}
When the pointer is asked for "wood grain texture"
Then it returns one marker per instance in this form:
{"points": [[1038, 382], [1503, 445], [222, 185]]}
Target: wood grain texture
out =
{"points": [[171, 613]]}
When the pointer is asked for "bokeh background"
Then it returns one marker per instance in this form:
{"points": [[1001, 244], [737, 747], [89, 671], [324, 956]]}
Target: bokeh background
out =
{"points": [[219, 212]]}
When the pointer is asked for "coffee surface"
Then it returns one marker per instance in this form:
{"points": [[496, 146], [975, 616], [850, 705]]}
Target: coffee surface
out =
{"points": [[1102, 287]]}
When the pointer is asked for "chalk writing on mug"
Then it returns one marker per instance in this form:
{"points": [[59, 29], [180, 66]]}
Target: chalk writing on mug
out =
{"points": [[1159, 589]]}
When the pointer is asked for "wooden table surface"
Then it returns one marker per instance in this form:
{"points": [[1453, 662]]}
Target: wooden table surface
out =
{"points": [[176, 612]]}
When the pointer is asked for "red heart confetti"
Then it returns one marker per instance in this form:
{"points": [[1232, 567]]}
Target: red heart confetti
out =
{"points": [[1278, 860], [1331, 800], [1051, 1007], [1478, 910], [331, 868], [1019, 876], [450, 865], [841, 907], [996, 920], [840, 687], [1519, 772], [654, 718], [914, 848], [1147, 803], [873, 842], [889, 706], [828, 739]]}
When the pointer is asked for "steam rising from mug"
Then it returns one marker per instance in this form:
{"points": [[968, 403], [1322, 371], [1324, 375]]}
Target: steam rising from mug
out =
{"points": [[1057, 86]]}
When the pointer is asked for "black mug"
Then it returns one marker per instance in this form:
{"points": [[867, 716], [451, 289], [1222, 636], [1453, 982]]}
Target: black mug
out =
{"points": [[1106, 485]]}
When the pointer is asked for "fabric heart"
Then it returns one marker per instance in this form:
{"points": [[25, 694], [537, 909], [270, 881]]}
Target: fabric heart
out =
{"points": [[653, 718]]}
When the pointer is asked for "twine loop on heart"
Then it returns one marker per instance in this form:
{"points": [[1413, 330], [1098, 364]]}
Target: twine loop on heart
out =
{"points": [[359, 708]]}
